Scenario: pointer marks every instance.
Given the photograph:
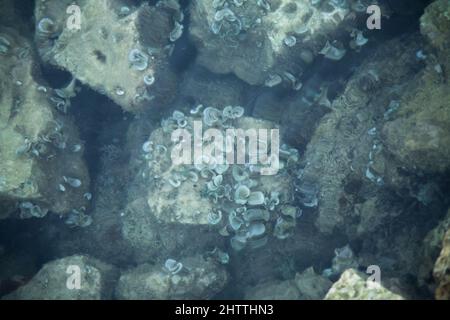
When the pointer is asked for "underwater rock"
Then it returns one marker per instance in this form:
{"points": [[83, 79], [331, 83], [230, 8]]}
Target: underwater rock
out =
{"points": [[432, 246], [257, 42], [115, 55], [196, 278], [344, 258], [139, 230], [183, 200], [145, 235], [300, 119], [441, 271], [274, 290], [419, 136], [190, 206], [52, 281], [35, 138], [435, 26], [353, 285], [312, 286], [344, 156], [372, 214]]}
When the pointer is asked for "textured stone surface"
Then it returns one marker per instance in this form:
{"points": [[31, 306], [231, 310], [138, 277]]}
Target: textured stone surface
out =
{"points": [[354, 286], [199, 279], [442, 269], [37, 141], [305, 286], [435, 26], [311, 285], [98, 53], [187, 204], [275, 290], [265, 28], [419, 137], [345, 155], [432, 246], [50, 283]]}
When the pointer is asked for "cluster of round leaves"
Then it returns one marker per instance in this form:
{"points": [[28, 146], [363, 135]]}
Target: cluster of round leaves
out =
{"points": [[241, 210]]}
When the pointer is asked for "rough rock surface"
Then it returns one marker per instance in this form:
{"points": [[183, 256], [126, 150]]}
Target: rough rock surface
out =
{"points": [[177, 218], [435, 26], [432, 246], [345, 155], [198, 279], [39, 144], [307, 285], [442, 269], [419, 137], [50, 283], [118, 51], [287, 34], [169, 204], [353, 286], [275, 290], [140, 230], [311, 285]]}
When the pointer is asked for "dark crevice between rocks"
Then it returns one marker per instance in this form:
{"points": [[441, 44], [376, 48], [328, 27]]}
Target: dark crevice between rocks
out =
{"points": [[55, 77], [25, 245], [25, 10], [185, 52], [405, 18], [95, 115]]}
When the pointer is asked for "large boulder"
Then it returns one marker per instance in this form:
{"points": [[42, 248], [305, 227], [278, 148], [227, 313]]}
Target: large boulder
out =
{"points": [[216, 196], [117, 50], [191, 278], [307, 285], [264, 42], [432, 246], [441, 270], [273, 290], [41, 159], [53, 281], [435, 26], [345, 156], [189, 208], [354, 286], [419, 137]]}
